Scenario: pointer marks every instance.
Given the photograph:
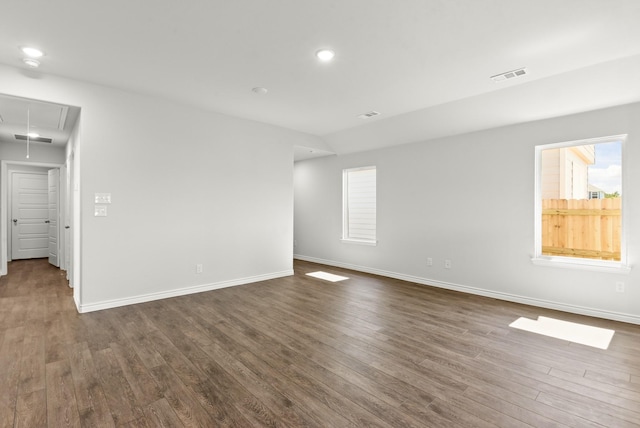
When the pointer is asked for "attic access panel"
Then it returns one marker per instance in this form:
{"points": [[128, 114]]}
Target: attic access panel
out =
{"points": [[42, 115]]}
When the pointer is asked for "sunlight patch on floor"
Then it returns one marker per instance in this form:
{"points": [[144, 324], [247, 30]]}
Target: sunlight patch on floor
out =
{"points": [[573, 332], [327, 276]]}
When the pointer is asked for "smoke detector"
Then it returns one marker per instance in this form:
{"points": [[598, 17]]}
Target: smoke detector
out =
{"points": [[510, 74], [368, 115], [260, 90]]}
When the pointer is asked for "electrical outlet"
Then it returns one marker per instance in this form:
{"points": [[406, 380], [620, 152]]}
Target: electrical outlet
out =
{"points": [[198, 268], [447, 264], [620, 287], [429, 261]]}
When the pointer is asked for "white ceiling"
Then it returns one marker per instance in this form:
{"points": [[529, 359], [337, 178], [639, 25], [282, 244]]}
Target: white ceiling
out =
{"points": [[418, 62], [18, 116]]}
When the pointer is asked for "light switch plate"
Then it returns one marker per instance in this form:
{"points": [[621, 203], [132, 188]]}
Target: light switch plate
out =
{"points": [[100, 211], [102, 198]]}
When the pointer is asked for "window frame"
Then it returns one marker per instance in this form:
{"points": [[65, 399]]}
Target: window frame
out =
{"points": [[575, 262], [346, 238]]}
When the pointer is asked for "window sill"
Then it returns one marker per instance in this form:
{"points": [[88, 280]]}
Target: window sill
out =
{"points": [[581, 264], [358, 242]]}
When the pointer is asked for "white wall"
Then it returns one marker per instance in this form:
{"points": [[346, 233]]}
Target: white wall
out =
{"points": [[38, 153], [188, 187], [469, 198]]}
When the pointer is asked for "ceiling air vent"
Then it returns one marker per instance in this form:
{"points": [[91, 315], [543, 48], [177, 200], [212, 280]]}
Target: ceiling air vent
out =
{"points": [[33, 140], [368, 115], [509, 75]]}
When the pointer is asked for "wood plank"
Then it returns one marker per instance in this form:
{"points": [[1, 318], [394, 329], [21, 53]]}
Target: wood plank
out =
{"points": [[532, 412], [582, 212], [592, 411], [120, 398], [578, 252], [138, 337], [32, 367], [31, 409], [144, 387], [55, 347], [624, 398], [90, 398], [62, 410], [181, 399], [160, 414], [10, 361]]}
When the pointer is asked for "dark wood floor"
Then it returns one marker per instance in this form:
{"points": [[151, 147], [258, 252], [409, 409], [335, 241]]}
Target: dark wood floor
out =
{"points": [[300, 351]]}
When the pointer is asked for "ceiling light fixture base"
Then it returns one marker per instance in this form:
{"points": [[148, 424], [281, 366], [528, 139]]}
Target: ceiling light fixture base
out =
{"points": [[31, 62]]}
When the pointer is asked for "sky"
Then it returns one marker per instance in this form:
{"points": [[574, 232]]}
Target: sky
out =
{"points": [[606, 173]]}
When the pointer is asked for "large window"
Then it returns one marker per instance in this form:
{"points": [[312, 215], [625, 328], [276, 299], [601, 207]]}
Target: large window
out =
{"points": [[579, 203], [359, 205]]}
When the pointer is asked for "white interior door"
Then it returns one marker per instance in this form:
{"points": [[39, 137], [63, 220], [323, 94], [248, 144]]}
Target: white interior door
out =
{"points": [[29, 215], [53, 180]]}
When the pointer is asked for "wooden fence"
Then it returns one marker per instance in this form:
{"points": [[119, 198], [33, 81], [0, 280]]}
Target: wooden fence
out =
{"points": [[587, 228]]}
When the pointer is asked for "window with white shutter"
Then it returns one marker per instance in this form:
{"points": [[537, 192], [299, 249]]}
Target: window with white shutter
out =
{"points": [[359, 206]]}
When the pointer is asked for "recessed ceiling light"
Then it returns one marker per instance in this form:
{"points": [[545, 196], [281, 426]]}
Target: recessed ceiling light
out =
{"points": [[32, 52], [325, 54], [260, 90], [33, 63]]}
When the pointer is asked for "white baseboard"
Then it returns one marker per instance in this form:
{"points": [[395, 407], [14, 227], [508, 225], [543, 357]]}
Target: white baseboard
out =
{"points": [[108, 304], [581, 310]]}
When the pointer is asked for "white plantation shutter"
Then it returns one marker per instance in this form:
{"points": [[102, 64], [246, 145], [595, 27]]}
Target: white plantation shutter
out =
{"points": [[360, 204]]}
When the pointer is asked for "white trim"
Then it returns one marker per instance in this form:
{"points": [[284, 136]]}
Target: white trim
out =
{"points": [[359, 168], [585, 141], [358, 241], [108, 304], [581, 264], [581, 310], [4, 200]]}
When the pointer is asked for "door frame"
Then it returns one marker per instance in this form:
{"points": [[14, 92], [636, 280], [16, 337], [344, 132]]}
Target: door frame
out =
{"points": [[4, 204], [60, 219]]}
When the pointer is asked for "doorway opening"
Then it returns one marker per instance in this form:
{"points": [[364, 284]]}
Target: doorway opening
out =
{"points": [[36, 221], [39, 186]]}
